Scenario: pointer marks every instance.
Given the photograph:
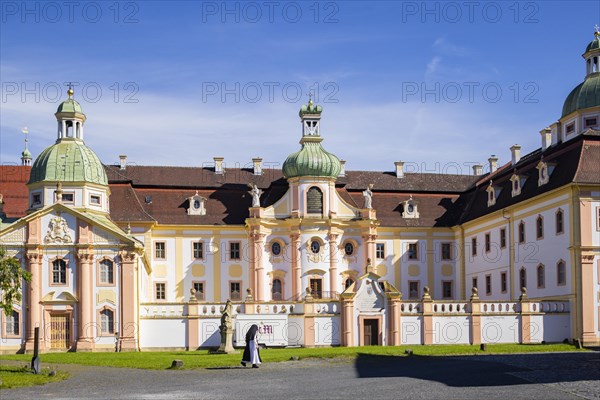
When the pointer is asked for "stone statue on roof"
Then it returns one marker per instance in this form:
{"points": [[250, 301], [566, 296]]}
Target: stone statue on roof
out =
{"points": [[255, 192], [368, 194]]}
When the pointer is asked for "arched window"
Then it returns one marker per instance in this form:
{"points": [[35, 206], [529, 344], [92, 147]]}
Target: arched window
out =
{"points": [[276, 290], [522, 232], [314, 201], [107, 275], [561, 273], [559, 221], [522, 278], [349, 282], [107, 321], [349, 249], [276, 248], [539, 227], [59, 272], [541, 277]]}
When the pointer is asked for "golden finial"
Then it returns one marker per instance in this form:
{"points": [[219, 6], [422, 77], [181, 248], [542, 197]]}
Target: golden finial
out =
{"points": [[70, 91], [310, 102], [597, 33]]}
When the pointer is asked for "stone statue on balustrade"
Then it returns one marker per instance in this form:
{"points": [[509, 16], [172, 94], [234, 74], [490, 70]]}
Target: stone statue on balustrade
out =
{"points": [[226, 329]]}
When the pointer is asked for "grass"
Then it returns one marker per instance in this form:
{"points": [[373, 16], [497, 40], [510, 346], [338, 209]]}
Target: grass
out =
{"points": [[12, 377], [202, 359]]}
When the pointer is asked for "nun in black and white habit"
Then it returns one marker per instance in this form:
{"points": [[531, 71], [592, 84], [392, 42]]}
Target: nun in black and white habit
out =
{"points": [[251, 354]]}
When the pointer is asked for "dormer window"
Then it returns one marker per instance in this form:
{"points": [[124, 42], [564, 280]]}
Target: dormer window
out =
{"points": [[36, 199], [492, 192], [410, 209], [196, 205], [544, 171], [517, 183]]}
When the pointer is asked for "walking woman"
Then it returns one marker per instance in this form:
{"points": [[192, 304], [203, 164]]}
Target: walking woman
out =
{"points": [[251, 354]]}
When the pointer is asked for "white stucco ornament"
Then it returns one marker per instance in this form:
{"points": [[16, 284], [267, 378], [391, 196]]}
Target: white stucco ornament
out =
{"points": [[58, 231]]}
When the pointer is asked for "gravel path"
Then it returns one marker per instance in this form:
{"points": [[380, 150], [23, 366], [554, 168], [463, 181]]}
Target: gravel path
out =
{"points": [[530, 376]]}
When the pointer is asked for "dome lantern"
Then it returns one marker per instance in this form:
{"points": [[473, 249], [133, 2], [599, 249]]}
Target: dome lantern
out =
{"points": [[312, 160]]}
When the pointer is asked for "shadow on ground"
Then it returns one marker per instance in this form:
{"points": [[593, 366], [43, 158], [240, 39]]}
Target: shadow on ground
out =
{"points": [[482, 371]]}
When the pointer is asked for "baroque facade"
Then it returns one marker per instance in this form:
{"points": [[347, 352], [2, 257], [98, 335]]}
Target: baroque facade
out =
{"points": [[144, 257]]}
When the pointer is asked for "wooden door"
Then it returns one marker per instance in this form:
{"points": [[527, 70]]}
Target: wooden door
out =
{"points": [[316, 288], [371, 332], [60, 331]]}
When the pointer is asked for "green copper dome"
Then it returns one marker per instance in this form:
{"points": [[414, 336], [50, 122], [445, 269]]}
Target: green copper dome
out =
{"points": [[594, 45], [312, 160], [585, 95], [69, 160], [26, 153], [69, 106]]}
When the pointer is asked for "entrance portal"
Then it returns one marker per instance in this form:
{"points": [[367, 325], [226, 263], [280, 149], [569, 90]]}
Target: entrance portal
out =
{"points": [[371, 332], [60, 331]]}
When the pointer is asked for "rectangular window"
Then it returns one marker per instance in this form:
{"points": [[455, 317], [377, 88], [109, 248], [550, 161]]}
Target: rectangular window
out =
{"points": [[447, 289], [199, 288], [234, 250], [488, 284], [446, 251], [598, 218], [413, 289], [235, 290], [522, 232], [380, 250], [106, 272], [502, 238], [12, 324], [474, 246], [413, 251], [570, 128], [160, 291], [488, 242], [503, 282], [591, 122], [160, 250], [474, 282], [316, 288], [36, 198], [68, 197], [198, 250], [95, 200], [59, 272]]}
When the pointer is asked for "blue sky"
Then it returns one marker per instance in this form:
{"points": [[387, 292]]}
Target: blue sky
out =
{"points": [[435, 84]]}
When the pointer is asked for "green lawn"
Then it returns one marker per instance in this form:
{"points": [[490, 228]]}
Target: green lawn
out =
{"points": [[201, 358], [12, 377]]}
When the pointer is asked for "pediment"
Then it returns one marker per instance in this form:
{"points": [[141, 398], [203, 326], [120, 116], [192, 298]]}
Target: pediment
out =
{"points": [[64, 297]]}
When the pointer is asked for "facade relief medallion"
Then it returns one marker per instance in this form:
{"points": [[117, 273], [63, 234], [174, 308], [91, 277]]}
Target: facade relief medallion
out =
{"points": [[58, 231]]}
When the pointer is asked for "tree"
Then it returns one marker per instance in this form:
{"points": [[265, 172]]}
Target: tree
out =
{"points": [[11, 277]]}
